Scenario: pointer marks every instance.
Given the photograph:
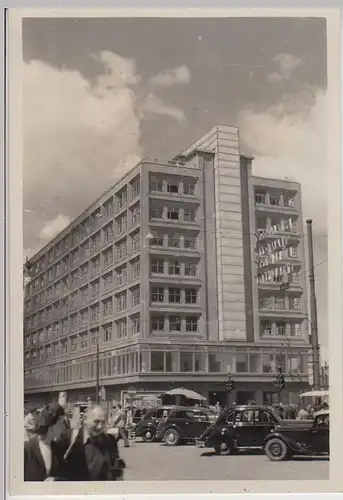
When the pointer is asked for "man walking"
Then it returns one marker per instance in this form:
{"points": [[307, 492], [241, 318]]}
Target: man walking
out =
{"points": [[119, 421]]}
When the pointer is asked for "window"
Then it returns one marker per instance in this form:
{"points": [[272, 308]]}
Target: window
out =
{"points": [[174, 324], [174, 241], [95, 313], [156, 184], [121, 276], [107, 308], [135, 269], [293, 252], [135, 296], [156, 212], [95, 266], [266, 328], [157, 241], [95, 288], [121, 198], [295, 277], [241, 363], [157, 294], [108, 208], [192, 324], [191, 296], [83, 341], [274, 201], [122, 328], [174, 295], [157, 323], [255, 362], [295, 303], [135, 320], [279, 303], [108, 257], [135, 185], [280, 329], [296, 330], [172, 187], [108, 281], [121, 223], [157, 266], [189, 214], [121, 302], [174, 267], [190, 269], [136, 241], [260, 198], [173, 213], [136, 214], [189, 188], [94, 336], [108, 233], [266, 303], [121, 249], [157, 361], [293, 363], [107, 332], [84, 317], [73, 343], [190, 242]]}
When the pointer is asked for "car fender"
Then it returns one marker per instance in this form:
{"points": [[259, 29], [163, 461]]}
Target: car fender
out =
{"points": [[292, 445], [218, 435]]}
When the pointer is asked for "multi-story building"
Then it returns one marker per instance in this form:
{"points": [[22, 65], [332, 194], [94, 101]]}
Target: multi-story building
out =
{"points": [[183, 272]]}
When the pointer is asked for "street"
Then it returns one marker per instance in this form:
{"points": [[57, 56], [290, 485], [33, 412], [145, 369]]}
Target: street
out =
{"points": [[157, 462]]}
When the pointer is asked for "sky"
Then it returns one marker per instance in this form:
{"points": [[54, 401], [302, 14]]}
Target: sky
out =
{"points": [[100, 94]]}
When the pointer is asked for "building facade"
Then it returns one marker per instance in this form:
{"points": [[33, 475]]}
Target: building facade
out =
{"points": [[183, 272]]}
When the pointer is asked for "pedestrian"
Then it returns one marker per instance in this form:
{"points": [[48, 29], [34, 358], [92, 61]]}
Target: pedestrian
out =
{"points": [[93, 454], [303, 414], [119, 421], [29, 424]]}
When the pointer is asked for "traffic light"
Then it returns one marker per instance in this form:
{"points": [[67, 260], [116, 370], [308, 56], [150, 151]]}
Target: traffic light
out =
{"points": [[279, 381], [229, 386], [282, 381]]}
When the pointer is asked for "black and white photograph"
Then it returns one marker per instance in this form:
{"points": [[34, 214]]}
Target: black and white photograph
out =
{"points": [[175, 249]]}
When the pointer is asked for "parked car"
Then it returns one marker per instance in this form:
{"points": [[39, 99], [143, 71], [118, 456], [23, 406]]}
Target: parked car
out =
{"points": [[185, 424], [239, 428], [147, 426], [299, 437]]}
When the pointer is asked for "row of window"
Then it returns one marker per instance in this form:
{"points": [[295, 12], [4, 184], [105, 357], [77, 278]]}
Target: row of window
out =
{"points": [[280, 303], [107, 258], [174, 323], [281, 199], [92, 314], [159, 212], [173, 295], [89, 224], [65, 298], [173, 185], [280, 329], [165, 360], [84, 340], [173, 267]]}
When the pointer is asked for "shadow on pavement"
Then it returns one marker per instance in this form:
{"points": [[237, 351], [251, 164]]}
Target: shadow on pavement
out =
{"points": [[311, 459], [242, 453]]}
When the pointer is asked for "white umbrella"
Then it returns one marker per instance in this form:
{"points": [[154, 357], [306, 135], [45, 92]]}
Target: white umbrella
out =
{"points": [[187, 393], [314, 394]]}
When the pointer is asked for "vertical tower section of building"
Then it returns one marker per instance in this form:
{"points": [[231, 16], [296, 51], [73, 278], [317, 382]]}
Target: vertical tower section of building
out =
{"points": [[229, 236]]}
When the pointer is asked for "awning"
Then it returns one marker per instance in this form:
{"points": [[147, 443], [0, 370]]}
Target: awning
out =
{"points": [[314, 394], [185, 392]]}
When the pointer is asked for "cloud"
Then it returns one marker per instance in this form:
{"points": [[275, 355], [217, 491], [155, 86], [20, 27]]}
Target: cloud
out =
{"points": [[53, 227], [179, 75], [286, 65], [79, 138], [154, 104], [288, 140]]}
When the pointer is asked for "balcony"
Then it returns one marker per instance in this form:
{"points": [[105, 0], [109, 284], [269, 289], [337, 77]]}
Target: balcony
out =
{"points": [[266, 203], [289, 234]]}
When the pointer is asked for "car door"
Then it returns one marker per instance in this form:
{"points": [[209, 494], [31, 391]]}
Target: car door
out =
{"points": [[264, 422], [244, 428], [320, 440]]}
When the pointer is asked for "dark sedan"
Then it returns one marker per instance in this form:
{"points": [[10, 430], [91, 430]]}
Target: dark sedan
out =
{"points": [[239, 428], [299, 437], [147, 426]]}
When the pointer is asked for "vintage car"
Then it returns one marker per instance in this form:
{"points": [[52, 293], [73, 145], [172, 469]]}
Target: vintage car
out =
{"points": [[185, 424], [299, 437], [239, 428], [147, 426]]}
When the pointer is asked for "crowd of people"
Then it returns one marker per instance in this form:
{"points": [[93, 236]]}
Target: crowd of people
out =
{"points": [[76, 446]]}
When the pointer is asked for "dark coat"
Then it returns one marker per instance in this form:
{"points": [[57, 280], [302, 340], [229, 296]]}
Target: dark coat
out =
{"points": [[34, 467]]}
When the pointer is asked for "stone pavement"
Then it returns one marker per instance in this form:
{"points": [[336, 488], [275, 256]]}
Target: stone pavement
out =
{"points": [[157, 462]]}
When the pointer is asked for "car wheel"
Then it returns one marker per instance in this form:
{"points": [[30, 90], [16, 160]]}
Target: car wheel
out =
{"points": [[171, 437], [148, 436], [223, 449], [276, 450]]}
